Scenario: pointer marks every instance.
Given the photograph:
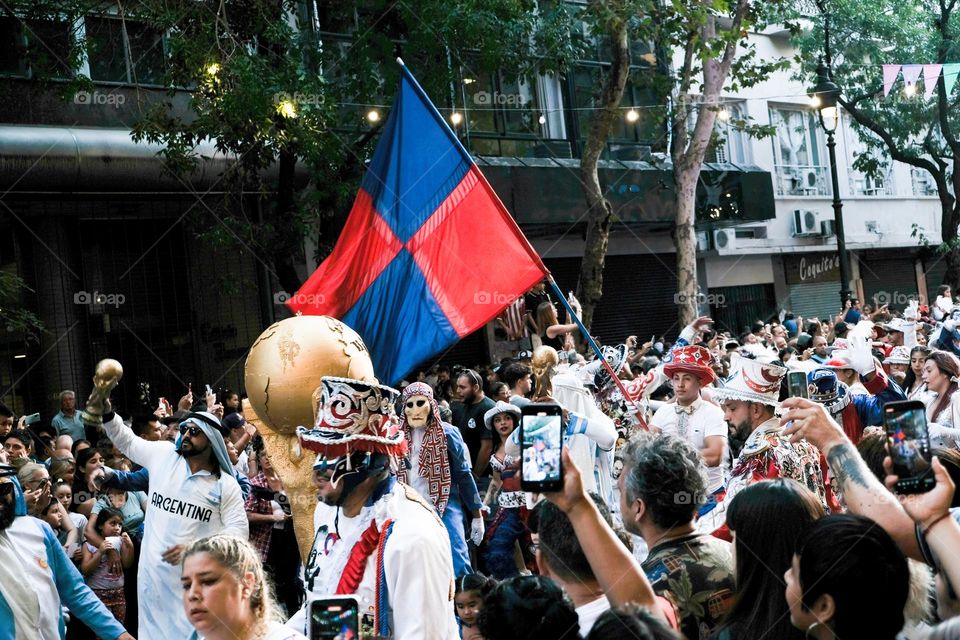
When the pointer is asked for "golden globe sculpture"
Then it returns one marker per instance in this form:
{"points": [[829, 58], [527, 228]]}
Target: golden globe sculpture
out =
{"points": [[286, 363], [281, 376]]}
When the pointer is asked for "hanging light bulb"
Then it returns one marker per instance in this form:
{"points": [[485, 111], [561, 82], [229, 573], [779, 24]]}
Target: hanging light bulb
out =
{"points": [[373, 115], [723, 115], [910, 90], [287, 108], [456, 118], [542, 119], [632, 115]]}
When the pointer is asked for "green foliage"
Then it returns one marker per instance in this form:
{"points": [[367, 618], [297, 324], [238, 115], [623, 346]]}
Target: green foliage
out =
{"points": [[865, 34], [14, 317]]}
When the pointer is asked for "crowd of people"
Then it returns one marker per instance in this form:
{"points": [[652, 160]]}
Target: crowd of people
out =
{"points": [[701, 496]]}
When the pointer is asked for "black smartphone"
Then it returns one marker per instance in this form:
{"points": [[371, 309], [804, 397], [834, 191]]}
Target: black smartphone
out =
{"points": [[541, 442], [797, 384], [908, 444], [334, 619]]}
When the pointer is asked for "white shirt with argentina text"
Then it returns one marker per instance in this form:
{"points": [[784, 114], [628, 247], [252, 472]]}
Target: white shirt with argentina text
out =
{"points": [[182, 507]]}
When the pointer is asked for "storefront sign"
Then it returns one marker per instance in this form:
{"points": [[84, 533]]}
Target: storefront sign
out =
{"points": [[813, 267]]}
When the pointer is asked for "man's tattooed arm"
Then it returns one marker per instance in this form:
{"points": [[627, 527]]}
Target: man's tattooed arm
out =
{"points": [[848, 467], [865, 495]]}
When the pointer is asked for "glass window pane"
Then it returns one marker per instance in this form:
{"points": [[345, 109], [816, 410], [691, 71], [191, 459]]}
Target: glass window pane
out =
{"points": [[105, 50], [335, 16], [791, 141], [146, 51], [479, 97], [517, 104], [11, 47], [48, 43]]}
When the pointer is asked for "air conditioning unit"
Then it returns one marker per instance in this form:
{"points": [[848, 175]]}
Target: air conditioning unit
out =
{"points": [[724, 240], [827, 229], [806, 223]]}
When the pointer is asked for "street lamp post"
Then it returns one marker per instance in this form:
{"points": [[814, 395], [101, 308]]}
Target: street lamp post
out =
{"points": [[826, 94]]}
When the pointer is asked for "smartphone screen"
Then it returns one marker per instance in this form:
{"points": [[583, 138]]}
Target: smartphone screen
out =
{"points": [[909, 445], [541, 444], [334, 619], [797, 384]]}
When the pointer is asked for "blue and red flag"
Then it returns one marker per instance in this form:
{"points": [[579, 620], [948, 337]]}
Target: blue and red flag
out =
{"points": [[428, 254]]}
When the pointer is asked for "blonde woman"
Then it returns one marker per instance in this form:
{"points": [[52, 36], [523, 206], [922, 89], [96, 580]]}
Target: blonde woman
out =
{"points": [[226, 595]]}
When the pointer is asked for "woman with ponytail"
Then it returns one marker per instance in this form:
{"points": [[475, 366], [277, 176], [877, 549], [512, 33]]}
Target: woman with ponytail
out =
{"points": [[226, 595]]}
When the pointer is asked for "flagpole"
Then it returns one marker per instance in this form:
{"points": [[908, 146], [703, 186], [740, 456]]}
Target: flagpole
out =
{"points": [[596, 349]]}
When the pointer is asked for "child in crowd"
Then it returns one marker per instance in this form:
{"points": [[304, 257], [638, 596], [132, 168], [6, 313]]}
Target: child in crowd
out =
{"points": [[472, 588], [56, 516], [96, 566], [63, 493]]}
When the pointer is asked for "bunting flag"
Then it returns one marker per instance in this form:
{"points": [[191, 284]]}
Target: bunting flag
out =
{"points": [[428, 254], [931, 73], [950, 72], [911, 73], [890, 73]]}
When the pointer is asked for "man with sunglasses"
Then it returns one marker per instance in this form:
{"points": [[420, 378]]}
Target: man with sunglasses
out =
{"points": [[37, 577], [468, 418], [193, 494]]}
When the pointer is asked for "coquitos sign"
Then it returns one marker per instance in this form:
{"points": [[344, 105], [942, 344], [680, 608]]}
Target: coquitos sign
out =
{"points": [[816, 267]]}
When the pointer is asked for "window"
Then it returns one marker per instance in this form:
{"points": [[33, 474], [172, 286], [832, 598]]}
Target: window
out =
{"points": [[502, 114], [799, 159], [878, 182], [730, 144], [587, 85], [31, 48], [124, 51], [923, 183]]}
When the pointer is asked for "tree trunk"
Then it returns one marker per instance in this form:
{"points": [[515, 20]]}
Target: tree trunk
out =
{"points": [[949, 221], [599, 210], [287, 248], [685, 243]]}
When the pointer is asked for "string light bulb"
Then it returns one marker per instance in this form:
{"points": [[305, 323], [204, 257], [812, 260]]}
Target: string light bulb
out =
{"points": [[373, 115], [632, 115], [286, 108], [723, 115], [910, 90], [542, 119], [456, 118]]}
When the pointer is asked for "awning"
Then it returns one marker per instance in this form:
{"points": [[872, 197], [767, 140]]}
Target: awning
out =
{"points": [[87, 159], [548, 191]]}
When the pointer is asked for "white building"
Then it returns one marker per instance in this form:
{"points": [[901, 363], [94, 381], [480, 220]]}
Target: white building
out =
{"points": [[795, 254]]}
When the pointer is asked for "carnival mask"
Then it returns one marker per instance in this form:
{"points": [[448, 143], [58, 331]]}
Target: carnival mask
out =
{"points": [[417, 410]]}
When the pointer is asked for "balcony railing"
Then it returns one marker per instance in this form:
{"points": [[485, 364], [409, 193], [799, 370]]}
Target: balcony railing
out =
{"points": [[802, 180]]}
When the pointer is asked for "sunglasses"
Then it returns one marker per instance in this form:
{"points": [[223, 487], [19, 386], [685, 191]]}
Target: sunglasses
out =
{"points": [[415, 403], [193, 430]]}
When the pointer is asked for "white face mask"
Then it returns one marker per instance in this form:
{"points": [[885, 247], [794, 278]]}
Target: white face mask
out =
{"points": [[417, 409]]}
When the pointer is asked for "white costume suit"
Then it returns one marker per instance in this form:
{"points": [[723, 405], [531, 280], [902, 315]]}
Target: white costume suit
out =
{"points": [[592, 456], [417, 565], [183, 507]]}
